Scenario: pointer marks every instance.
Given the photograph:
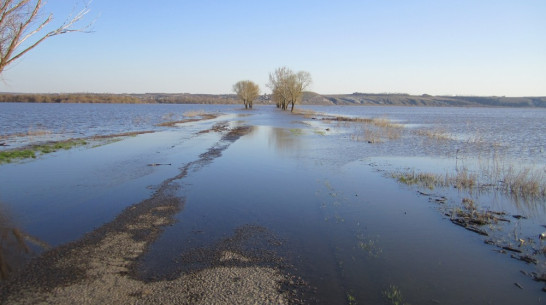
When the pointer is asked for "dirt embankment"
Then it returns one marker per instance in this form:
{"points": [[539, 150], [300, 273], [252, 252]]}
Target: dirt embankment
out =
{"points": [[100, 267]]}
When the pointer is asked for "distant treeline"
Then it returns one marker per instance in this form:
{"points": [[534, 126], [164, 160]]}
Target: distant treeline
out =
{"points": [[69, 98], [151, 98], [309, 98], [187, 98]]}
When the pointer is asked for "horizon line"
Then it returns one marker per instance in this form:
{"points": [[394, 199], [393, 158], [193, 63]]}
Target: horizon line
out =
{"points": [[323, 94]]}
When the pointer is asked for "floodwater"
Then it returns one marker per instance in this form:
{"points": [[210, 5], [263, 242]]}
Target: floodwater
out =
{"points": [[22, 123], [345, 226]]}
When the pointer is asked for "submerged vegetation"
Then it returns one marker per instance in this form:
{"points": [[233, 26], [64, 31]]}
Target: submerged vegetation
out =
{"points": [[423, 179], [190, 116], [462, 179], [371, 130], [394, 295], [9, 156], [481, 170], [378, 131], [34, 150], [491, 170], [351, 299], [525, 182], [488, 171], [433, 133]]}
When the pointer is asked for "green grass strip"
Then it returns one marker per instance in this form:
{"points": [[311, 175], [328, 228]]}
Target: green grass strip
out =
{"points": [[30, 152]]}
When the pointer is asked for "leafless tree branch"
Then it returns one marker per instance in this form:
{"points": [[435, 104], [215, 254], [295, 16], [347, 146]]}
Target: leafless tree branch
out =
{"points": [[16, 20]]}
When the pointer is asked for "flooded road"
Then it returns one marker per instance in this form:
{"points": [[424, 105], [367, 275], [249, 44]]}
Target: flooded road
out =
{"points": [[349, 231], [316, 202]]}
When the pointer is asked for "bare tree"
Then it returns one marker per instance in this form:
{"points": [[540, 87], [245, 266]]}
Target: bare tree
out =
{"points": [[277, 84], [247, 91], [287, 87], [21, 26], [297, 84]]}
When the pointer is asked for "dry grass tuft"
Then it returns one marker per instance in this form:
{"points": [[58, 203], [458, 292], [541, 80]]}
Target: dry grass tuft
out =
{"points": [[194, 113], [375, 130], [470, 218], [191, 116], [306, 113], [38, 132], [469, 204], [168, 116], [463, 179], [434, 134], [427, 180], [524, 183], [370, 135]]}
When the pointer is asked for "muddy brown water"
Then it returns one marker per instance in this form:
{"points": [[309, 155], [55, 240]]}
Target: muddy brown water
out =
{"points": [[316, 203]]}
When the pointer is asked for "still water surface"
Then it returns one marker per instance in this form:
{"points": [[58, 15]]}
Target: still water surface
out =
{"points": [[22, 123], [517, 132], [348, 229]]}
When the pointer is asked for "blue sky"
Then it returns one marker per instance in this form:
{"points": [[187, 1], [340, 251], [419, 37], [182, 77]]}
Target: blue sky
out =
{"points": [[467, 47]]}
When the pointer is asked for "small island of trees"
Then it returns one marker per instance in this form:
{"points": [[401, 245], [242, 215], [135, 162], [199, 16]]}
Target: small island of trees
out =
{"points": [[286, 86], [247, 91]]}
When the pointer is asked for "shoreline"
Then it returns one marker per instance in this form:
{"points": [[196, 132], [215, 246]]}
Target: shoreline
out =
{"points": [[309, 98]]}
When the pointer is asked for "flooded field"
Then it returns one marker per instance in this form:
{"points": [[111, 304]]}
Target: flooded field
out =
{"points": [[21, 123], [352, 205]]}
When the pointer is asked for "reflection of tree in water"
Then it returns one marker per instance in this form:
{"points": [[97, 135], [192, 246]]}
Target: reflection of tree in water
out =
{"points": [[14, 249], [286, 140], [12, 243]]}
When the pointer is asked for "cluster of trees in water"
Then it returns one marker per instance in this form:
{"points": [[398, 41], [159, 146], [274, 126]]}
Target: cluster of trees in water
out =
{"points": [[287, 88], [247, 91]]}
